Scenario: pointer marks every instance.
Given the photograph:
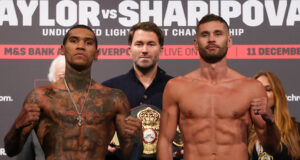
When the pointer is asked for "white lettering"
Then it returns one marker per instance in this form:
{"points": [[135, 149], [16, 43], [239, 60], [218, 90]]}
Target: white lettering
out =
{"points": [[2, 152], [71, 17], [62, 32], [196, 10], [230, 9], [69, 12], [276, 19], [113, 14], [258, 16], [85, 14], [116, 32], [214, 7], [109, 13], [292, 97], [105, 13], [183, 32], [8, 13], [174, 13], [294, 13], [98, 32], [44, 14], [156, 12], [6, 99], [166, 31], [236, 31], [54, 32], [131, 17], [27, 11]]}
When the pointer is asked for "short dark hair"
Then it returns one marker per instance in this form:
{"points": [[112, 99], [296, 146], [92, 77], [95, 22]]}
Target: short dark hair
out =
{"points": [[212, 17], [147, 26], [80, 26]]}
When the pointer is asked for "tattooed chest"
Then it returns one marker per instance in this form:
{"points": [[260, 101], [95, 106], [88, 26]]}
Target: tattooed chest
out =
{"points": [[90, 111]]}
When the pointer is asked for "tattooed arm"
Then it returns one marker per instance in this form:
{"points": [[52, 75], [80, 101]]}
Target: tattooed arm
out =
{"points": [[133, 127], [125, 140], [25, 122]]}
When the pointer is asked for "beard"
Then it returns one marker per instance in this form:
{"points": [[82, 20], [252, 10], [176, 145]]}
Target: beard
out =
{"points": [[145, 69], [213, 57]]}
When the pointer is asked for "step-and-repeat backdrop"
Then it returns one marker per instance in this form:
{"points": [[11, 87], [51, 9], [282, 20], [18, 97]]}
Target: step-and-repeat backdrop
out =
{"points": [[266, 36]]}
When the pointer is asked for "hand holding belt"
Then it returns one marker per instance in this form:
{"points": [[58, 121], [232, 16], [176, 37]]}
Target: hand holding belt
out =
{"points": [[150, 117]]}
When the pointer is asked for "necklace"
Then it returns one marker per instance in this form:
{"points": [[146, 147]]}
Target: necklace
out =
{"points": [[79, 118]]}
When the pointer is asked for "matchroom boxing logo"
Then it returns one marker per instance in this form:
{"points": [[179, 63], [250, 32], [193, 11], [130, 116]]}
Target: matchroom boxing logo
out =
{"points": [[6, 99], [293, 98]]}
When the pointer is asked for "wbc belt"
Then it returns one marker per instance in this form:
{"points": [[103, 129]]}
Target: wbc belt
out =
{"points": [[150, 116]]}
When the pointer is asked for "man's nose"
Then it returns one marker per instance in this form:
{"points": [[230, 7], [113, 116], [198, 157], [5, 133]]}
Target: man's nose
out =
{"points": [[145, 48], [81, 45], [211, 38]]}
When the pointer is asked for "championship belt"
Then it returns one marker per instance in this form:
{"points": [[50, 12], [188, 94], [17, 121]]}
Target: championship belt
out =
{"points": [[150, 117], [265, 156]]}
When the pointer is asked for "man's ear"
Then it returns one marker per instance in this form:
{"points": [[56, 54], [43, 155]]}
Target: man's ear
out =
{"points": [[62, 49], [129, 51], [161, 51], [229, 42], [96, 55], [196, 44]]}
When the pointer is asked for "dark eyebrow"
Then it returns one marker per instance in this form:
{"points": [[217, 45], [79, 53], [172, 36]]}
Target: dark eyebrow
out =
{"points": [[86, 38], [73, 37], [218, 31], [151, 42], [204, 32], [138, 42]]}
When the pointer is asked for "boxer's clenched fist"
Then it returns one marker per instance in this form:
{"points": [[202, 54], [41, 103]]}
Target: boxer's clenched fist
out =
{"points": [[133, 127], [30, 114], [259, 107]]}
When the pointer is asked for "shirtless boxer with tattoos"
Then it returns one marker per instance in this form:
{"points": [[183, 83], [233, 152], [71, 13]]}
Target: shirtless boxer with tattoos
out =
{"points": [[75, 117], [214, 105]]}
